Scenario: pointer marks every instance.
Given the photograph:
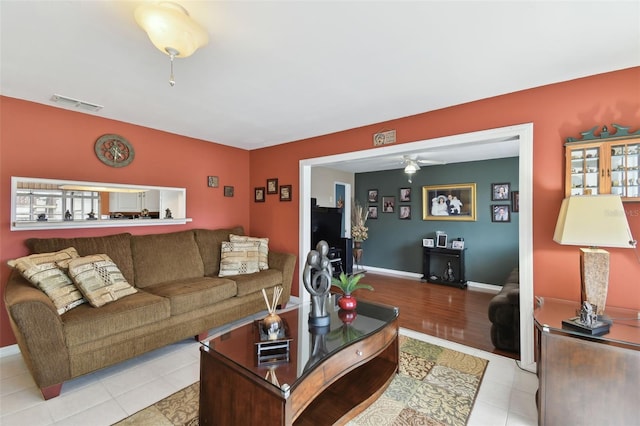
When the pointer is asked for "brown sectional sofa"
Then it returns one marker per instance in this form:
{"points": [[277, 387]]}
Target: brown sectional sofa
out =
{"points": [[179, 295]]}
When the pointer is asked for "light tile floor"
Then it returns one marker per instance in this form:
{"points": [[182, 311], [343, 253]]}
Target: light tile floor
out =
{"points": [[506, 396]]}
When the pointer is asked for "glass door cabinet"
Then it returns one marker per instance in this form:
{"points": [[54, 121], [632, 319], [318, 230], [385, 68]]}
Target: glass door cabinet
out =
{"points": [[604, 164]]}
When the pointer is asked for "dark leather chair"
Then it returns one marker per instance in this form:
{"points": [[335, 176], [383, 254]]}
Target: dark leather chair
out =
{"points": [[504, 314]]}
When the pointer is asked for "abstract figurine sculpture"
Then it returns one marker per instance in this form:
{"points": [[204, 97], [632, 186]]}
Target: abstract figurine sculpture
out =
{"points": [[317, 280]]}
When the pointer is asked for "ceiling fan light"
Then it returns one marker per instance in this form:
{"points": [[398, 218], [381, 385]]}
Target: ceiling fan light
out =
{"points": [[410, 169], [171, 29]]}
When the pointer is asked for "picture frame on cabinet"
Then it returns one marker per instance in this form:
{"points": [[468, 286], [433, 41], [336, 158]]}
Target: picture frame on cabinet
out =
{"points": [[259, 194], [457, 245], [428, 242]]}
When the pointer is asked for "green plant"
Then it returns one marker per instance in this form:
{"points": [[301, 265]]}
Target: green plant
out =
{"points": [[349, 283]]}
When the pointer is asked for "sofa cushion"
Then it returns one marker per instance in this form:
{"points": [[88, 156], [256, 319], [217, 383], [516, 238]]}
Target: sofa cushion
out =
{"points": [[99, 279], [117, 247], [194, 293], [209, 243], [159, 258], [86, 323], [239, 258], [45, 271], [252, 283], [263, 248]]}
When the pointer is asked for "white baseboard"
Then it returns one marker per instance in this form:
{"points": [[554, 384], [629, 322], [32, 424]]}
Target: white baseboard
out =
{"points": [[9, 350], [491, 288]]}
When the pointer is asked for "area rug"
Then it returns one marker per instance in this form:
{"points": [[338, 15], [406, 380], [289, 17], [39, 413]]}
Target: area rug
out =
{"points": [[434, 386]]}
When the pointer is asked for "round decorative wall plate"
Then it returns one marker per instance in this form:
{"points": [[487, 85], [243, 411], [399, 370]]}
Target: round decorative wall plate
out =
{"points": [[114, 150]]}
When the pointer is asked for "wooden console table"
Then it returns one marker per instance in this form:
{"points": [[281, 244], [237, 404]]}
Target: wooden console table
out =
{"points": [[330, 375], [587, 380]]}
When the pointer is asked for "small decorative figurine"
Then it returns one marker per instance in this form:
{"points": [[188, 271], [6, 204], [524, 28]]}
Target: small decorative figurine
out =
{"points": [[42, 217], [67, 215], [167, 214], [91, 215], [317, 280], [448, 273], [588, 315]]}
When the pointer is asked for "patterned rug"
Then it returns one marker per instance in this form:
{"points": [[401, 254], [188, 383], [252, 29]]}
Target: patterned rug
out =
{"points": [[435, 386]]}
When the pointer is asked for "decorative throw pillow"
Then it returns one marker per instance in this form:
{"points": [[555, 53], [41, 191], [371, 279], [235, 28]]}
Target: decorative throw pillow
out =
{"points": [[45, 271], [99, 279], [263, 259], [239, 258]]}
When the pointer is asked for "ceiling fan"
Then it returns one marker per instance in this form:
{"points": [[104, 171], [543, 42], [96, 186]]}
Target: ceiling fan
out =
{"points": [[412, 164]]}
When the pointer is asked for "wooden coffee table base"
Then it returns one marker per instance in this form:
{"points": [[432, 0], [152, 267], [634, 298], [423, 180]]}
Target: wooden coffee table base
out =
{"points": [[335, 391]]}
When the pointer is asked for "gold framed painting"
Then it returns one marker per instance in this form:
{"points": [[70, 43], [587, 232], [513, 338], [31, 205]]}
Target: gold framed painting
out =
{"points": [[449, 202]]}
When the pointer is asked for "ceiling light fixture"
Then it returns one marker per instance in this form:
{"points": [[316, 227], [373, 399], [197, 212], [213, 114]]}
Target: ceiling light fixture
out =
{"points": [[411, 168], [171, 30]]}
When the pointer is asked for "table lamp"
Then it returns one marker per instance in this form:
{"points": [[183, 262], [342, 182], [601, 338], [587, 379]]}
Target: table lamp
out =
{"points": [[594, 221]]}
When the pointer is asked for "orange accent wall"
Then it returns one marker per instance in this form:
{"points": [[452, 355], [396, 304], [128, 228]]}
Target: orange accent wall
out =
{"points": [[557, 111], [42, 141]]}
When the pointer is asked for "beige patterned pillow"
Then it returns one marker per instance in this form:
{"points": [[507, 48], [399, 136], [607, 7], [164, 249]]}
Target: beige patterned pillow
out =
{"points": [[99, 279], [239, 258], [263, 258], [45, 271]]}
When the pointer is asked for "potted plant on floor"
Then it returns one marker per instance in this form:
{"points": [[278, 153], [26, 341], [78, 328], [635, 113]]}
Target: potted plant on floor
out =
{"points": [[348, 284]]}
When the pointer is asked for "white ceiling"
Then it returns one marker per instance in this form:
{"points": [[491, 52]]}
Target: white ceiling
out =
{"points": [[279, 71]]}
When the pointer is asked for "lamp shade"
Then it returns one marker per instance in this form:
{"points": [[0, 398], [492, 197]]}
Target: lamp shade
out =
{"points": [[593, 220], [171, 29]]}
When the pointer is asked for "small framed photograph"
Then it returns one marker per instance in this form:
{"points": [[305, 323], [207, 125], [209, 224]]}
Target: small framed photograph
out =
{"points": [[285, 192], [373, 196], [272, 186], [500, 213], [259, 194], [212, 181], [428, 242], [388, 204], [515, 201], [500, 191], [373, 212], [405, 212], [228, 191], [441, 240], [457, 245], [405, 194]]}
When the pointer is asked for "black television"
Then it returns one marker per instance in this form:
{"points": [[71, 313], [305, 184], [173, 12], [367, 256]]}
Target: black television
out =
{"points": [[326, 224]]}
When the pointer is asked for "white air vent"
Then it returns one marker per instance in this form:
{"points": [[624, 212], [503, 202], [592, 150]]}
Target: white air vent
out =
{"points": [[75, 103]]}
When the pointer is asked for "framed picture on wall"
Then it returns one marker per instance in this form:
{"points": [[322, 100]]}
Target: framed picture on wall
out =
{"points": [[373, 196], [272, 186], [404, 212], [515, 201], [500, 213], [285, 192], [449, 202], [405, 194], [228, 191], [259, 194], [500, 191], [388, 204], [373, 212]]}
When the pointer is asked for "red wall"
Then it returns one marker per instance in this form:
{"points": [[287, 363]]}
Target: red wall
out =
{"points": [[41, 141], [47, 142], [557, 111]]}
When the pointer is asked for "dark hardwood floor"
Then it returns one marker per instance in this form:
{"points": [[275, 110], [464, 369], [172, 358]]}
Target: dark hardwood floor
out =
{"points": [[451, 313]]}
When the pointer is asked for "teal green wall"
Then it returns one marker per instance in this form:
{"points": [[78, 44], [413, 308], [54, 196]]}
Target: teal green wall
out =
{"points": [[491, 248]]}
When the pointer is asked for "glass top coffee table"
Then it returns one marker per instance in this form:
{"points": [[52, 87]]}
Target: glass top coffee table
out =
{"points": [[328, 375]]}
